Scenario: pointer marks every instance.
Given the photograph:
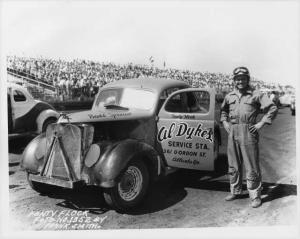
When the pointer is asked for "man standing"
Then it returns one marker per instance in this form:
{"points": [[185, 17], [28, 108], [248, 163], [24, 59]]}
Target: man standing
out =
{"points": [[239, 111]]}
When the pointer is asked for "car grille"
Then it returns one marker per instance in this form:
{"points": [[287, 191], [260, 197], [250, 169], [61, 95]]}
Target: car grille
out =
{"points": [[66, 144]]}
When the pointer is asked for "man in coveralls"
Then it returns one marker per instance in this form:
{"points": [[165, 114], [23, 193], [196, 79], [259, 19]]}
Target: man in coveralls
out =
{"points": [[238, 114]]}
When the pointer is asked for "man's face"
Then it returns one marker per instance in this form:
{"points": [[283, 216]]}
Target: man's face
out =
{"points": [[241, 82]]}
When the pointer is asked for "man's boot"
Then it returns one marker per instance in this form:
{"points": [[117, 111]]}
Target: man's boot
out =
{"points": [[256, 202], [255, 196], [231, 197]]}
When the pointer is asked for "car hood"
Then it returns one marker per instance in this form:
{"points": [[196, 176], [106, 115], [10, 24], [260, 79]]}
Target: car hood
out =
{"points": [[103, 115]]}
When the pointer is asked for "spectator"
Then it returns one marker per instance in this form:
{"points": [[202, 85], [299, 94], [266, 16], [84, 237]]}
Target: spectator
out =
{"points": [[80, 77]]}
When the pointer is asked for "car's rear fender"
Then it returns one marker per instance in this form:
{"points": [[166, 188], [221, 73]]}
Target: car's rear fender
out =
{"points": [[43, 116], [114, 160]]}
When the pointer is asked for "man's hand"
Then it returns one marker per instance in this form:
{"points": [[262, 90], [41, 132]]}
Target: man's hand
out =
{"points": [[227, 126], [256, 127]]}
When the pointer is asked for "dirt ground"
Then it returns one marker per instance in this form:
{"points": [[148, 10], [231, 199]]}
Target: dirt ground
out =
{"points": [[185, 199]]}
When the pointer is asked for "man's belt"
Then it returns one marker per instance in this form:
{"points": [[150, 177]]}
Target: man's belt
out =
{"points": [[238, 121]]}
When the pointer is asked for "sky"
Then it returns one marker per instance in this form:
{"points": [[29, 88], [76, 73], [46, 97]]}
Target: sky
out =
{"points": [[213, 36]]}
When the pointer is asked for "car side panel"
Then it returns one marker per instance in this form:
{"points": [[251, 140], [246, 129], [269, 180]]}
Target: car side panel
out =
{"points": [[187, 139], [27, 122], [21, 108], [187, 143]]}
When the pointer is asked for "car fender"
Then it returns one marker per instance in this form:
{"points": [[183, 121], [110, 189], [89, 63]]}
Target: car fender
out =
{"points": [[43, 116], [32, 159], [114, 160]]}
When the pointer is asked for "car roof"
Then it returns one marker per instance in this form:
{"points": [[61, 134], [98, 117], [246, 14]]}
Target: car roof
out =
{"points": [[14, 85], [19, 87], [156, 84]]}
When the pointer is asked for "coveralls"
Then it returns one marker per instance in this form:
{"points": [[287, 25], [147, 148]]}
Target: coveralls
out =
{"points": [[242, 147]]}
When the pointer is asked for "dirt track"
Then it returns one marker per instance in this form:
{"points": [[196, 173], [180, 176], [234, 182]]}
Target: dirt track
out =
{"points": [[183, 200]]}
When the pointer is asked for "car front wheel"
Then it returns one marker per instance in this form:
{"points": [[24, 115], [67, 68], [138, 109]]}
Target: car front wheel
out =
{"points": [[131, 188]]}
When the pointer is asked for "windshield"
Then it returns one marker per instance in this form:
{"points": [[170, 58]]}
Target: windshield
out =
{"points": [[127, 98]]}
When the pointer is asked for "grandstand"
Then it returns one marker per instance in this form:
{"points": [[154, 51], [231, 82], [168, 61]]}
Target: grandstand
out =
{"points": [[50, 79], [38, 90]]}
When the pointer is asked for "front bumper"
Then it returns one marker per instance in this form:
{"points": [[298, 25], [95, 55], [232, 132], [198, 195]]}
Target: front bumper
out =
{"points": [[56, 181]]}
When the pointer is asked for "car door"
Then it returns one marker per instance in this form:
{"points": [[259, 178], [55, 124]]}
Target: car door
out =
{"points": [[186, 128], [21, 104]]}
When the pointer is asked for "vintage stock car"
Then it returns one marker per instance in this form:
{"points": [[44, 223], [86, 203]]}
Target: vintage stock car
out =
{"points": [[137, 131], [27, 115]]}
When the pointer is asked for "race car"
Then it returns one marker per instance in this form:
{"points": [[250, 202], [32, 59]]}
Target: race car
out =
{"points": [[27, 115], [137, 131]]}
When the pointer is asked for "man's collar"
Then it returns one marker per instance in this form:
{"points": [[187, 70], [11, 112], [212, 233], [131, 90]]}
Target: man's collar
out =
{"points": [[249, 90]]}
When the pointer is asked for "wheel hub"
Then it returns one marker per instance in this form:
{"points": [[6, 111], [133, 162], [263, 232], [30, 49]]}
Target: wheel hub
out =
{"points": [[131, 184]]}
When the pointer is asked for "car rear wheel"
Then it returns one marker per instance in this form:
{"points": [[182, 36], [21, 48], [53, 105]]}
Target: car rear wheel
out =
{"points": [[131, 188]]}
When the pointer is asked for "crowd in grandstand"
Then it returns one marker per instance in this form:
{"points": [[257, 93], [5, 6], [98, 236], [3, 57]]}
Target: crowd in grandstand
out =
{"points": [[83, 77]]}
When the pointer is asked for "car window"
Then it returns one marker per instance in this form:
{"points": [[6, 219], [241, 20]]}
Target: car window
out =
{"points": [[165, 94], [110, 96], [139, 99], [19, 96], [189, 102], [203, 99], [127, 97]]}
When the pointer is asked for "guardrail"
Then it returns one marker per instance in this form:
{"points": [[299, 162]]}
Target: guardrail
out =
{"points": [[26, 79]]}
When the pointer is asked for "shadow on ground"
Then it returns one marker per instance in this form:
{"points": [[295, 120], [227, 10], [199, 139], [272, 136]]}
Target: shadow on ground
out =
{"points": [[162, 194], [17, 145], [275, 191], [82, 199], [165, 193]]}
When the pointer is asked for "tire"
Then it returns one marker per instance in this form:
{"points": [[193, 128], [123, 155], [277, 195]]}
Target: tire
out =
{"points": [[47, 122], [131, 189]]}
